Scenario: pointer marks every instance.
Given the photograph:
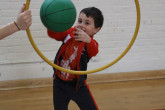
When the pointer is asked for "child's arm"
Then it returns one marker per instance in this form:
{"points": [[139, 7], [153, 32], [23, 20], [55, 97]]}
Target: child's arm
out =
{"points": [[59, 36], [92, 48], [92, 45]]}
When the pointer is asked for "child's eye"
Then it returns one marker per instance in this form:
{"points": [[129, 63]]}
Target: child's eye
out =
{"points": [[87, 23], [79, 21]]}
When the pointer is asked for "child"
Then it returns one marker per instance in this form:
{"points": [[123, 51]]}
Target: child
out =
{"points": [[75, 52]]}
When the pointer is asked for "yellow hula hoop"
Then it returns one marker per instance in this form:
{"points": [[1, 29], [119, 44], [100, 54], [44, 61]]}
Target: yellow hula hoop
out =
{"points": [[94, 70]]}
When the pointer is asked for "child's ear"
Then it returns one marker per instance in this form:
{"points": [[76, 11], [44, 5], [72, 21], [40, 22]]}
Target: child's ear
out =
{"points": [[97, 29]]}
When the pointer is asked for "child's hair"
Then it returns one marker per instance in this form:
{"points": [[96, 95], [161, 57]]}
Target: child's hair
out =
{"points": [[96, 14]]}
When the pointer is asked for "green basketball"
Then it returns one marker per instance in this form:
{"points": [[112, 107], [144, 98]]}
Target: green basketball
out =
{"points": [[58, 15]]}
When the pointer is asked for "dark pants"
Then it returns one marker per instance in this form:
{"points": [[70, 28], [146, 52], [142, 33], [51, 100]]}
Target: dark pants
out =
{"points": [[64, 91]]}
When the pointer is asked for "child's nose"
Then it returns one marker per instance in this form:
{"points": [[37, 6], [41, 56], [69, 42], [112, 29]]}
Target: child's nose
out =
{"points": [[81, 25]]}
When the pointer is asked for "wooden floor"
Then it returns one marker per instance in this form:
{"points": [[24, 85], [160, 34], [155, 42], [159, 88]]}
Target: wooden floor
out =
{"points": [[132, 95]]}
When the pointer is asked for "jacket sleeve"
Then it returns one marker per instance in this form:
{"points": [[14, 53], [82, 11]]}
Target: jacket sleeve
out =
{"points": [[92, 48], [59, 36]]}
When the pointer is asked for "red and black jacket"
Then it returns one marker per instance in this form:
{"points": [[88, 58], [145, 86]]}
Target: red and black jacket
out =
{"points": [[85, 52]]}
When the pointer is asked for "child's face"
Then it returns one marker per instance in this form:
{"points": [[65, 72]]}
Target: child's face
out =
{"points": [[87, 24]]}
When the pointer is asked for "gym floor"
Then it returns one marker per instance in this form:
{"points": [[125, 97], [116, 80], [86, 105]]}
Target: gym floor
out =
{"points": [[127, 95]]}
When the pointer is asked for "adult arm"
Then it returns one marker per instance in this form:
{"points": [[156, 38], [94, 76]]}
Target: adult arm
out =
{"points": [[22, 22]]}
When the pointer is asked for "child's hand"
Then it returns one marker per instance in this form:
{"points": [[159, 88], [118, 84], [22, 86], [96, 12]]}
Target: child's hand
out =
{"points": [[80, 35]]}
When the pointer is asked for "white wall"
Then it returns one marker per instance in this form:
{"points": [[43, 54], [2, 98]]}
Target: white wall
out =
{"points": [[18, 60]]}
